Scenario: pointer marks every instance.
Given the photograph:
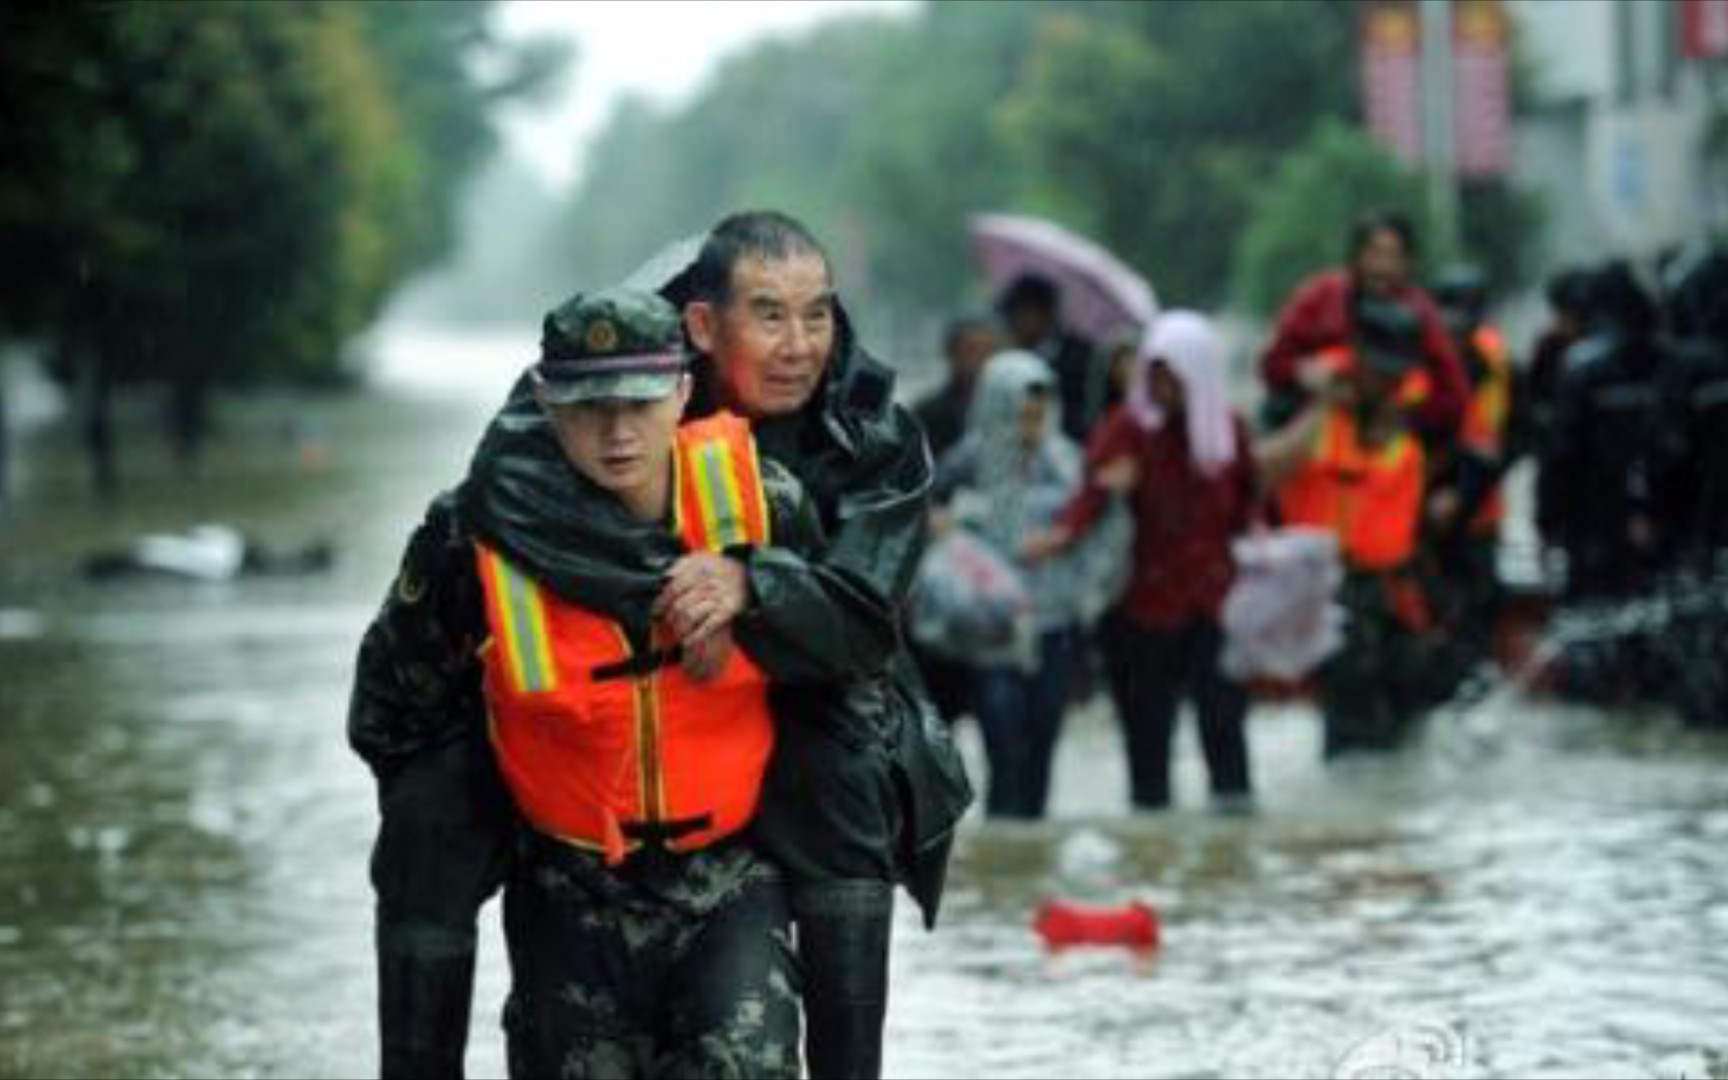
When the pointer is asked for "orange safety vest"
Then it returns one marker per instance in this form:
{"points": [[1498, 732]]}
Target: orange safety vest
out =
{"points": [[1486, 418], [1372, 499], [1413, 392], [610, 750]]}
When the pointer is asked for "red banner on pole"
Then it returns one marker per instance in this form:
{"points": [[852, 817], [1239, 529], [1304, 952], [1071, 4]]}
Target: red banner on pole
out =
{"points": [[1392, 76], [1482, 87], [1704, 29]]}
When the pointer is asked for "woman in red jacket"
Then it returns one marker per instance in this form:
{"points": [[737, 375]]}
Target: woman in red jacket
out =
{"points": [[1182, 458], [1321, 314]]}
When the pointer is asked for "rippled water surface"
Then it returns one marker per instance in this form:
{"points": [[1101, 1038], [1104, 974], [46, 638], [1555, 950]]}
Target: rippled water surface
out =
{"points": [[1534, 891]]}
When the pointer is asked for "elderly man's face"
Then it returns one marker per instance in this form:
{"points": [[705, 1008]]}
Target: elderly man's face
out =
{"points": [[772, 338]]}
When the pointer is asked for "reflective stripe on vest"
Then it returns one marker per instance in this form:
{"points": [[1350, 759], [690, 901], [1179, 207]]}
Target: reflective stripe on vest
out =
{"points": [[1486, 419], [1371, 499], [517, 614], [607, 750], [721, 502], [1491, 399]]}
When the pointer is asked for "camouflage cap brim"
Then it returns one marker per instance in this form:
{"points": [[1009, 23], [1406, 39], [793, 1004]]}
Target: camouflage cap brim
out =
{"points": [[623, 386]]}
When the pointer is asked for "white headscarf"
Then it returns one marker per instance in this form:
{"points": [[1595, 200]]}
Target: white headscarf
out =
{"points": [[1186, 341]]}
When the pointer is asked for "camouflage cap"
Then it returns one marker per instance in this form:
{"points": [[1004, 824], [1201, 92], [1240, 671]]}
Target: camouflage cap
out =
{"points": [[620, 343]]}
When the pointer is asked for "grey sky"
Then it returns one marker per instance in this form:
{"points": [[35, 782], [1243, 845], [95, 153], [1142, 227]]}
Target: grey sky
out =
{"points": [[662, 50]]}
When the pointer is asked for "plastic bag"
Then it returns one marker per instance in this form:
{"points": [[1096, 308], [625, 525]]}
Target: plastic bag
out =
{"points": [[1104, 560], [1282, 619], [970, 604]]}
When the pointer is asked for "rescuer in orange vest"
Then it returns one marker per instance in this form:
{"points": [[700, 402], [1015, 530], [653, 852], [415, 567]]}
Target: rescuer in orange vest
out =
{"points": [[635, 762], [1350, 464], [864, 789], [1466, 503]]}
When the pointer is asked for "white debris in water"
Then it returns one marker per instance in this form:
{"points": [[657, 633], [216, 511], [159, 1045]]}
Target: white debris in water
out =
{"points": [[10, 935], [16, 624], [1715, 825], [209, 814], [40, 796], [1423, 1049], [1088, 854]]}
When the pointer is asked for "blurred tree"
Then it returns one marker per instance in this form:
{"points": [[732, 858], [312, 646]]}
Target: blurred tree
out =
{"points": [[775, 127], [1300, 220], [1299, 223], [1157, 129], [932, 148], [217, 193], [1160, 122]]}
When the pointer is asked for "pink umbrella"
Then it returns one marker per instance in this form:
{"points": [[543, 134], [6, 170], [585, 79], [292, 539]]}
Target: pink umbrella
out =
{"points": [[1100, 295]]}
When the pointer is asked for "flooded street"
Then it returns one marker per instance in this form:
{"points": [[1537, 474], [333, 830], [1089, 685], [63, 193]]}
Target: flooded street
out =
{"points": [[1535, 891]]}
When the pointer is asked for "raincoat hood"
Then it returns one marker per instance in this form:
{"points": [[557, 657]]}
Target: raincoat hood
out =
{"points": [[1187, 342]]}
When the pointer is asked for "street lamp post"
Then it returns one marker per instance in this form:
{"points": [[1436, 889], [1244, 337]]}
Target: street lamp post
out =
{"points": [[1440, 150]]}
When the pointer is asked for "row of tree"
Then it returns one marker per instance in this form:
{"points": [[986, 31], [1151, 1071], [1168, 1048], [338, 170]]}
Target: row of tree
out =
{"points": [[206, 194], [1215, 146]]}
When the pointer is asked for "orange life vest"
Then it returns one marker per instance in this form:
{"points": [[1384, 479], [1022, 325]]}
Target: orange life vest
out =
{"points": [[1486, 418], [1372, 499], [608, 749], [1413, 392]]}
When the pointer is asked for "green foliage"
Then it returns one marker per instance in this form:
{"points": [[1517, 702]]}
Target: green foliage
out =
{"points": [[1300, 218], [203, 193], [1299, 221], [775, 127], [1155, 128], [1161, 121]]}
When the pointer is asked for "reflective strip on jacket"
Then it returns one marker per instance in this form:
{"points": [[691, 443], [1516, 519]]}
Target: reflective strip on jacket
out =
{"points": [[1487, 416]]}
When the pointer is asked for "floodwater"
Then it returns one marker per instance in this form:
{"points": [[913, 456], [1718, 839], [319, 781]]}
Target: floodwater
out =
{"points": [[1533, 891]]}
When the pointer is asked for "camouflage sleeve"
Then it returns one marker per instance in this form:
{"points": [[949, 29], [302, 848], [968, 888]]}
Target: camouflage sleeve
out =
{"points": [[418, 680]]}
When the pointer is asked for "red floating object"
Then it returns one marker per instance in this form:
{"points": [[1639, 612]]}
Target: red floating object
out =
{"points": [[1064, 925]]}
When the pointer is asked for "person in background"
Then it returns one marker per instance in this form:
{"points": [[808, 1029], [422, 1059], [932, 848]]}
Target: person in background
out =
{"points": [[1466, 507], [967, 343], [1697, 477], [1007, 480], [1599, 497], [1182, 458], [1696, 486], [1031, 308], [1567, 296], [1322, 314], [1349, 463], [1120, 363]]}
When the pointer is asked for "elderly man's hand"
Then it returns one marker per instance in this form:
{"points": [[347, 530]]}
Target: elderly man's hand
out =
{"points": [[703, 594], [705, 658]]}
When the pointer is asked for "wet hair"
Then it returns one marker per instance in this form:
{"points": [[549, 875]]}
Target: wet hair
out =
{"points": [[1033, 291], [1616, 299], [961, 325], [1362, 230], [1697, 298], [1568, 291], [764, 234]]}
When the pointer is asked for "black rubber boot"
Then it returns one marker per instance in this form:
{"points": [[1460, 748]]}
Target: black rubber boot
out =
{"points": [[425, 991], [844, 928]]}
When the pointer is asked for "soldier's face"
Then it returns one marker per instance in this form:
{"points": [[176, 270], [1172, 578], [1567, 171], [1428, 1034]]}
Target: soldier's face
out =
{"points": [[622, 446], [772, 338]]}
